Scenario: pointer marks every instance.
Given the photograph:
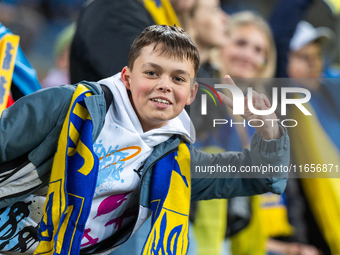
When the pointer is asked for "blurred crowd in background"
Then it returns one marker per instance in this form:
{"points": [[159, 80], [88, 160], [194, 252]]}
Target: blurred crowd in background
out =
{"points": [[39, 22], [69, 41]]}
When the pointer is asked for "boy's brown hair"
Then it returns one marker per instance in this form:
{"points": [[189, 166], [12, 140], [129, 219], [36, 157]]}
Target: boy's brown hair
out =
{"points": [[175, 42]]}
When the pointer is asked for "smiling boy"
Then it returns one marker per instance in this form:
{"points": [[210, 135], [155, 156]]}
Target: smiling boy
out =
{"points": [[144, 156], [159, 88]]}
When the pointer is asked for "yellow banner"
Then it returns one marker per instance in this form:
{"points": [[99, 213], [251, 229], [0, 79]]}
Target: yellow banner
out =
{"points": [[8, 50], [334, 5]]}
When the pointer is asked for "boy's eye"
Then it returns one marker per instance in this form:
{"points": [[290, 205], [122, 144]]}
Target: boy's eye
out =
{"points": [[179, 79], [151, 73]]}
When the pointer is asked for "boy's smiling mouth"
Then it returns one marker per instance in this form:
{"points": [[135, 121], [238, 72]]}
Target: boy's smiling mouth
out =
{"points": [[161, 101]]}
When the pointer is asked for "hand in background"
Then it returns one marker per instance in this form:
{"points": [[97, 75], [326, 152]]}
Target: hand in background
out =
{"points": [[266, 125]]}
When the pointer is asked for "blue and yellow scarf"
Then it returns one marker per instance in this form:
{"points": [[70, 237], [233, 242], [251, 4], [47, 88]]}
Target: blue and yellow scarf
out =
{"points": [[170, 205], [73, 181]]}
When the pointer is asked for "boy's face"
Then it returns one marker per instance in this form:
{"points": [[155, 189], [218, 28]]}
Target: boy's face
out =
{"points": [[159, 85]]}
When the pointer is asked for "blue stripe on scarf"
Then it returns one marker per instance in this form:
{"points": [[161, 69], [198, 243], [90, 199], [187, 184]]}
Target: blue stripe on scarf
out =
{"points": [[160, 183]]}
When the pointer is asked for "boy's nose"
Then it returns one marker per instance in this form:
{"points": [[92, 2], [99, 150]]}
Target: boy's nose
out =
{"points": [[164, 86]]}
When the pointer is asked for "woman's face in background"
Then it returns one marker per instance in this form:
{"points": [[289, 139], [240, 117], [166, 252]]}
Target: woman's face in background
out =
{"points": [[209, 22], [245, 53], [181, 6]]}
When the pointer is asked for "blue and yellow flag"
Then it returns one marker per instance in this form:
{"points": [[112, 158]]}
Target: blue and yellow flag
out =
{"points": [[170, 205], [24, 76], [162, 12], [72, 183], [274, 215], [312, 145], [8, 51]]}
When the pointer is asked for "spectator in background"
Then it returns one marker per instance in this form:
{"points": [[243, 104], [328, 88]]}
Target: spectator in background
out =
{"points": [[246, 50], [310, 202], [207, 28], [249, 53], [107, 28], [60, 74], [206, 25], [308, 48]]}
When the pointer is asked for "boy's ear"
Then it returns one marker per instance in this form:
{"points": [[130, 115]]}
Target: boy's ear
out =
{"points": [[125, 77], [192, 94]]}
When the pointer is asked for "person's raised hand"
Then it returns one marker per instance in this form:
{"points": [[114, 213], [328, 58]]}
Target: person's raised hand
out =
{"points": [[266, 125]]}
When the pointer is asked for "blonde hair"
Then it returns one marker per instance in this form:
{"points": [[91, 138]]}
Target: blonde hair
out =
{"points": [[247, 18]]}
